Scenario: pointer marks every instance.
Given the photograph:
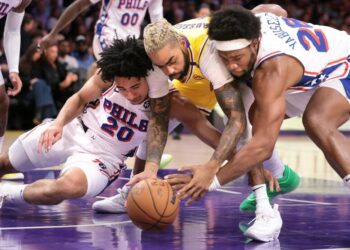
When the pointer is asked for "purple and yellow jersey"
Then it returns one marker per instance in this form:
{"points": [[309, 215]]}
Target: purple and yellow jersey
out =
{"points": [[324, 52], [196, 86]]}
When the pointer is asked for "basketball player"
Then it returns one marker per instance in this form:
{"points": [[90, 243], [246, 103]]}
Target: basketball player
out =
{"points": [[118, 19], [14, 12], [92, 141], [186, 54], [286, 59]]}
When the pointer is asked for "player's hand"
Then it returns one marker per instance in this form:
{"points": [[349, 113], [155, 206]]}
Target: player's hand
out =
{"points": [[16, 84], [273, 182], [178, 181], [149, 172], [203, 176], [45, 41], [49, 137]]}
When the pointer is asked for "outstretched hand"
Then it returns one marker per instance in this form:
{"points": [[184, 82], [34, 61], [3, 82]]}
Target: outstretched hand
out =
{"points": [[203, 176]]}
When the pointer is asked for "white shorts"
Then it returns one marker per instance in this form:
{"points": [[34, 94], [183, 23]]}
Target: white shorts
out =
{"points": [[74, 149]]}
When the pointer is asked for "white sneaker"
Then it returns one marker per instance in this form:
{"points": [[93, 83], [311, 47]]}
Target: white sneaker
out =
{"points": [[267, 226], [114, 204]]}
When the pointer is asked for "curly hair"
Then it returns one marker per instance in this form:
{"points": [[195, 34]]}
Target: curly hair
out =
{"points": [[234, 23], [124, 58]]}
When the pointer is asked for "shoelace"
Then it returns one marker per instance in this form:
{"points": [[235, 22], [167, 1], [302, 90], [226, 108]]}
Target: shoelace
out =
{"points": [[260, 217], [122, 193]]}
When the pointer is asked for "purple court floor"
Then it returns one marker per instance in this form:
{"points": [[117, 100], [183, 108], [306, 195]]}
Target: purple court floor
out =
{"points": [[316, 216]]}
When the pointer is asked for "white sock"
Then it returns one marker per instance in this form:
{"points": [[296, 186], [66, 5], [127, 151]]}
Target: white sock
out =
{"points": [[1, 143], [346, 181], [275, 165], [14, 192], [262, 200]]}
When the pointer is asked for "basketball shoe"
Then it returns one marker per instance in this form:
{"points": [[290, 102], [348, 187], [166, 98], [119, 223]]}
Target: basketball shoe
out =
{"points": [[114, 204], [267, 225], [288, 182]]}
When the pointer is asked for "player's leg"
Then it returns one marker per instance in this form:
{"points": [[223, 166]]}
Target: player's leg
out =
{"points": [[327, 110], [268, 221], [287, 178], [4, 106]]}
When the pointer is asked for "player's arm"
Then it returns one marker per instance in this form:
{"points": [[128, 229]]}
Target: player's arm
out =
{"points": [[270, 82], [68, 15], [155, 10], [270, 8], [12, 44], [189, 115], [73, 107]]}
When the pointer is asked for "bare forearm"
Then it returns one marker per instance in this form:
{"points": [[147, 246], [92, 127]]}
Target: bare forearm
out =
{"points": [[249, 156], [157, 129], [70, 110], [70, 13], [230, 101]]}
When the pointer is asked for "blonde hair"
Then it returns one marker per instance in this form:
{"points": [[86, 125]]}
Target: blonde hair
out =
{"points": [[158, 34]]}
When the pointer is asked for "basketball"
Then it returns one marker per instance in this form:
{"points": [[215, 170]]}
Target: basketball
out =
{"points": [[152, 204]]}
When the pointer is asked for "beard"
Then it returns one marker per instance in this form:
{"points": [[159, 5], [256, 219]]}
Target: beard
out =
{"points": [[182, 74]]}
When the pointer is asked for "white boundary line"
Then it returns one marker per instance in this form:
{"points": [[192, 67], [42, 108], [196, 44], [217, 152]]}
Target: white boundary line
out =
{"points": [[227, 191], [65, 226], [305, 201]]}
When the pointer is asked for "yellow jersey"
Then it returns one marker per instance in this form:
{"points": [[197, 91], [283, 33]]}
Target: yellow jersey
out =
{"points": [[196, 87]]}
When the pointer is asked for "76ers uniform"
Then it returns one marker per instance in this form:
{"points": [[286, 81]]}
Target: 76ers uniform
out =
{"points": [[122, 18], [5, 7], [324, 53], [98, 142]]}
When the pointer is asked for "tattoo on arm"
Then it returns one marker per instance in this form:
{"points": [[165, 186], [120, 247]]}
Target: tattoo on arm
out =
{"points": [[158, 128], [230, 101]]}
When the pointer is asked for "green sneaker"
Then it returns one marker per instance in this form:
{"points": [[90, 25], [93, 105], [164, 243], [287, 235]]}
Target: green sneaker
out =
{"points": [[288, 182], [166, 159]]}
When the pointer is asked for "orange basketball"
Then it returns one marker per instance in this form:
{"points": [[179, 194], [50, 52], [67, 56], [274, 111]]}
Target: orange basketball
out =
{"points": [[152, 204]]}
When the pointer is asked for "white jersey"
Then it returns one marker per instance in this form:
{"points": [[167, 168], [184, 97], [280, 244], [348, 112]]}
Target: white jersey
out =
{"points": [[7, 5], [119, 126], [123, 18], [323, 51]]}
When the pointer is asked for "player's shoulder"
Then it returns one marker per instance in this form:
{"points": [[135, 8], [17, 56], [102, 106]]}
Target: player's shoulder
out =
{"points": [[22, 6]]}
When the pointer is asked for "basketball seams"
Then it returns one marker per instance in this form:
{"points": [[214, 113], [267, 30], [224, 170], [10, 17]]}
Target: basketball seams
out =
{"points": [[153, 202], [143, 211]]}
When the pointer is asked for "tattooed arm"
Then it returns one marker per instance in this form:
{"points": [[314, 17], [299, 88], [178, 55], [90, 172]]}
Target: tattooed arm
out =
{"points": [[230, 101], [156, 137]]}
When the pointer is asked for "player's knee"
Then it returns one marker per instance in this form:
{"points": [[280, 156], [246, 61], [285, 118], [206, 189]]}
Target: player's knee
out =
{"points": [[311, 121]]}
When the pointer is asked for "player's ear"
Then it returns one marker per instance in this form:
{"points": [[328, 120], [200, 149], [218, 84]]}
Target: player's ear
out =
{"points": [[182, 42]]}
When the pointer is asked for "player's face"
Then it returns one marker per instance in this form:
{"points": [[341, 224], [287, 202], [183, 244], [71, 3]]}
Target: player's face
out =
{"points": [[240, 62], [134, 89], [172, 60]]}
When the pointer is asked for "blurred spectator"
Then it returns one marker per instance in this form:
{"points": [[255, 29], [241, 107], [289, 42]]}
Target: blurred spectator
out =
{"points": [[203, 11], [36, 89], [83, 55], [64, 51], [29, 27], [61, 81]]}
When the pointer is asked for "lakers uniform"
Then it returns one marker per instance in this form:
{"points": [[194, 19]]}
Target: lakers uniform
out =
{"points": [[199, 83], [98, 142], [120, 19], [324, 53]]}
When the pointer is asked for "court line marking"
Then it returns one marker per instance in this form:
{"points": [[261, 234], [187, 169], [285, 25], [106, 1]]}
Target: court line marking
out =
{"points": [[306, 201], [227, 191], [66, 226]]}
